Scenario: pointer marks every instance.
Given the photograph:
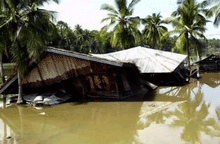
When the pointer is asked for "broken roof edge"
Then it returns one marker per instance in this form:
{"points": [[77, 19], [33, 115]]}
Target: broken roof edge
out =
{"points": [[82, 56], [5, 85]]}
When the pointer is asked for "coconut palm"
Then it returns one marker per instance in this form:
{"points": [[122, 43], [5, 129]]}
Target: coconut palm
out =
{"points": [[29, 29], [154, 30], [66, 36], [189, 23], [79, 33], [125, 32]]}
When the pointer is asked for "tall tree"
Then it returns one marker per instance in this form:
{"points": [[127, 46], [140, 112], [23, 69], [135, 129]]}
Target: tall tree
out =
{"points": [[79, 37], [66, 36], [154, 30], [125, 31], [102, 41], [30, 28], [189, 22]]}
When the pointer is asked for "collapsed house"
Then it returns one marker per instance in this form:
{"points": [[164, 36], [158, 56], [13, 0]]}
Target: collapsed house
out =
{"points": [[156, 66], [210, 64], [79, 75]]}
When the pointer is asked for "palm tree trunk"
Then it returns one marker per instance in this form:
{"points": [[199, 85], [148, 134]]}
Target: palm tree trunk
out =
{"points": [[20, 90], [189, 66], [154, 43], [198, 59], [1, 67], [188, 51]]}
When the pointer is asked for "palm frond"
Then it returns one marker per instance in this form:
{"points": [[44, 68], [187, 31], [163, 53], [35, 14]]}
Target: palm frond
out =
{"points": [[105, 28], [20, 56], [196, 45], [134, 20], [5, 23], [41, 2], [109, 8], [215, 10], [105, 19], [132, 4], [121, 6], [180, 44]]}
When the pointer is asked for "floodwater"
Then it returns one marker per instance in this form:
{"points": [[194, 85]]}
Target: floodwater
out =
{"points": [[169, 115]]}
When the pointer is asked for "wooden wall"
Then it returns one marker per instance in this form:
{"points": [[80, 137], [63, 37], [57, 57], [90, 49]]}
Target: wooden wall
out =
{"points": [[89, 77]]}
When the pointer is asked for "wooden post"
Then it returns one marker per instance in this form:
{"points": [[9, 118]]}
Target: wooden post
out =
{"points": [[20, 90], [198, 58], [116, 85], [1, 69], [84, 93], [4, 101]]}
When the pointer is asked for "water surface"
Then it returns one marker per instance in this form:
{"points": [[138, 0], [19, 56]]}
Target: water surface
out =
{"points": [[187, 114]]}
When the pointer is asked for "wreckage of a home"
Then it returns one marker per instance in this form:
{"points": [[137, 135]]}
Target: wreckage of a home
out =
{"points": [[156, 66], [210, 64], [78, 74]]}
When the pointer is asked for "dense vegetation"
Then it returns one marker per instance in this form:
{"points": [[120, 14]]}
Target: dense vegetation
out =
{"points": [[94, 41]]}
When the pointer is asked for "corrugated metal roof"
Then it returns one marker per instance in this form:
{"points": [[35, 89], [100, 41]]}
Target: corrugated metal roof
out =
{"points": [[209, 58], [146, 59]]}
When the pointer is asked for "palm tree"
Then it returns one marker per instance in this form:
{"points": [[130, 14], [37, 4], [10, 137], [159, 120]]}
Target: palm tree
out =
{"points": [[125, 31], [189, 22], [154, 30], [29, 29], [78, 32], [66, 35]]}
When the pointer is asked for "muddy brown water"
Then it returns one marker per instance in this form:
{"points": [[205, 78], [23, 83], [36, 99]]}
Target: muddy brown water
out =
{"points": [[187, 114]]}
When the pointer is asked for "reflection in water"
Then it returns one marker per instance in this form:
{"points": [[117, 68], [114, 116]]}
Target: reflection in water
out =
{"points": [[211, 79], [86, 123], [218, 113], [173, 115], [192, 116], [7, 135]]}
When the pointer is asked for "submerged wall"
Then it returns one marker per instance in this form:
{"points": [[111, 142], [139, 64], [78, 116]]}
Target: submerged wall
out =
{"points": [[78, 76]]}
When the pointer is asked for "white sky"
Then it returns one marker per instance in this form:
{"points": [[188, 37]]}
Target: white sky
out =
{"points": [[87, 13]]}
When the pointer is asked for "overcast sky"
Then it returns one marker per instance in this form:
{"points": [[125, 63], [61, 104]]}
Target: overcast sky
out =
{"points": [[87, 13]]}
